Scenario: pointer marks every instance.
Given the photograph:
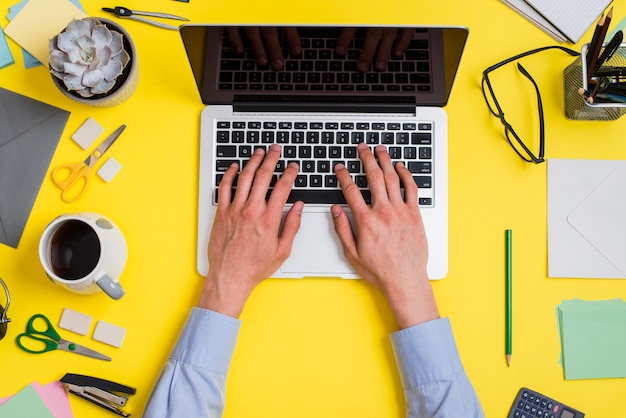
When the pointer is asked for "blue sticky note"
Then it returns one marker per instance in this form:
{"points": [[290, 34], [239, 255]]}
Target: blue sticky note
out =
{"points": [[6, 58], [29, 60], [14, 10], [77, 4]]}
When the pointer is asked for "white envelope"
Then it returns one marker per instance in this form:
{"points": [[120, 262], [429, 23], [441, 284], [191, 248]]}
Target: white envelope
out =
{"points": [[587, 218]]}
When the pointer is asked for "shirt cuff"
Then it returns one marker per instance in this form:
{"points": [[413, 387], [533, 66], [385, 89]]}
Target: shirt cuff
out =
{"points": [[207, 340], [426, 353]]}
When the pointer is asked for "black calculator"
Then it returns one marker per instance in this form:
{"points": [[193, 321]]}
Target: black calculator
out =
{"points": [[531, 404]]}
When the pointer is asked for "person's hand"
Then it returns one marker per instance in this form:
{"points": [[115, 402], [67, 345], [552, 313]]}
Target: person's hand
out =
{"points": [[388, 247], [378, 46], [247, 243], [265, 41]]}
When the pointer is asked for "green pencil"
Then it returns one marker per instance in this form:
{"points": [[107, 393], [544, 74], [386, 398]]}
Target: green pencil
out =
{"points": [[509, 295]]}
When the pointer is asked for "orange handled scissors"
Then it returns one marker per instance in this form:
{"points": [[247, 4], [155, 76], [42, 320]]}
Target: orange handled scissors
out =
{"points": [[73, 179]]}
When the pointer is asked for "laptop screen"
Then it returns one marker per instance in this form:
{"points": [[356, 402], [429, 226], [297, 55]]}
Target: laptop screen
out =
{"points": [[324, 64]]}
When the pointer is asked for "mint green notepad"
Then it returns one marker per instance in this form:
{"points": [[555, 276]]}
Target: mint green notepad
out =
{"points": [[25, 403], [593, 337]]}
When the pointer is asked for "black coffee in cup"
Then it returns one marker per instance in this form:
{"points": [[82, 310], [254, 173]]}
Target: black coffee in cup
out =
{"points": [[74, 250]]}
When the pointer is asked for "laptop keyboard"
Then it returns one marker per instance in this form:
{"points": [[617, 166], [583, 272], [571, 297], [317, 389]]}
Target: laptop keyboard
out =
{"points": [[320, 69], [318, 146]]}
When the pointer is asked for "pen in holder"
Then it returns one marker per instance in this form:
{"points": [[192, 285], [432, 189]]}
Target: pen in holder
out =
{"points": [[582, 102]]}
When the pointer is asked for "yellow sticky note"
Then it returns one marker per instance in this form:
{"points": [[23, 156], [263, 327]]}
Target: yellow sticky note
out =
{"points": [[38, 22]]}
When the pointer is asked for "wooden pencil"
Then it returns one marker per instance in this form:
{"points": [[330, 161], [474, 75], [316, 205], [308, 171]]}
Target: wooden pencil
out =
{"points": [[598, 46], [594, 40]]}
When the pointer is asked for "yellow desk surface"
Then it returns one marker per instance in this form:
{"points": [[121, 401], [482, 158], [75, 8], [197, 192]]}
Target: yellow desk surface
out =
{"points": [[317, 348]]}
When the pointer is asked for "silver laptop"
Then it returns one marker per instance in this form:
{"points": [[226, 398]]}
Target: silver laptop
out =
{"points": [[318, 107]]}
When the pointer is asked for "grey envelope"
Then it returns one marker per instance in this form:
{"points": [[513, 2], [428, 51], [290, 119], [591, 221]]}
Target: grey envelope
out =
{"points": [[29, 134]]}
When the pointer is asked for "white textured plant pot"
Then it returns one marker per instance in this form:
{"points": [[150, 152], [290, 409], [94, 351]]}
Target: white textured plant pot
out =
{"points": [[125, 84]]}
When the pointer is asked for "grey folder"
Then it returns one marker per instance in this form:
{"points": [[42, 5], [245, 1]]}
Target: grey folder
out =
{"points": [[29, 134]]}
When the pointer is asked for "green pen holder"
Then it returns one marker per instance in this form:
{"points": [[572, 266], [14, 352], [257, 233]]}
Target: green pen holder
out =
{"points": [[575, 78]]}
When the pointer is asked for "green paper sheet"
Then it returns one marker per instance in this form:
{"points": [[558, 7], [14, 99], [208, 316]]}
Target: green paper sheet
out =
{"points": [[25, 403], [593, 337]]}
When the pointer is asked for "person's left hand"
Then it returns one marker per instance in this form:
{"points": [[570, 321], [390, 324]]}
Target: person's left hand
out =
{"points": [[247, 243], [265, 44]]}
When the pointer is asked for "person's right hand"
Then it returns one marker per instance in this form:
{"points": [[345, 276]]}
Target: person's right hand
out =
{"points": [[265, 41], [248, 240], [378, 46], [388, 247]]}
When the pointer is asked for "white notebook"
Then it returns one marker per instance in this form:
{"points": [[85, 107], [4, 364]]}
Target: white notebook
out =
{"points": [[564, 20], [570, 17]]}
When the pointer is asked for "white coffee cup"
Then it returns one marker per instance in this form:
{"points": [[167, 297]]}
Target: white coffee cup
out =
{"points": [[85, 253]]}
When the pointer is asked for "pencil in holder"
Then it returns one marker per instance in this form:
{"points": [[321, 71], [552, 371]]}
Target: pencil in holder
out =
{"points": [[578, 105]]}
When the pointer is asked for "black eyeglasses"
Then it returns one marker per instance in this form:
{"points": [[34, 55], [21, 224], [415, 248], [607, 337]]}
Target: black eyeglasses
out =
{"points": [[512, 137], [4, 321]]}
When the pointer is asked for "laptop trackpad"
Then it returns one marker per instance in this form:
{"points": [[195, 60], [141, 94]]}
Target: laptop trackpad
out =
{"points": [[317, 249]]}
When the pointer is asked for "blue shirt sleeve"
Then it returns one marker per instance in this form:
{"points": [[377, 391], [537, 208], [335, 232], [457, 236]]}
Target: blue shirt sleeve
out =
{"points": [[193, 381], [434, 381]]}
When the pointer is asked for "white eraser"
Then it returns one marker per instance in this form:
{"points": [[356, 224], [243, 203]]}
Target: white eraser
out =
{"points": [[87, 133], [109, 334], [75, 321], [109, 169]]}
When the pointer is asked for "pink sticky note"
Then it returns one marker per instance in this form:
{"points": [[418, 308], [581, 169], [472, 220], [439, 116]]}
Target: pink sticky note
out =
{"points": [[55, 397]]}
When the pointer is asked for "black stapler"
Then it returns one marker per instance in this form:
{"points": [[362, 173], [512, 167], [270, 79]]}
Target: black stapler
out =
{"points": [[104, 393]]}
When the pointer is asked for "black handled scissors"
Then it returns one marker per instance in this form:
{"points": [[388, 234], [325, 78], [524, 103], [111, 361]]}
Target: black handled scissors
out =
{"points": [[121, 11], [48, 339]]}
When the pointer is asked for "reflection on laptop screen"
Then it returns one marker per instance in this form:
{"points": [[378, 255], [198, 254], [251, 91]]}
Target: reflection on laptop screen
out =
{"points": [[422, 73]]}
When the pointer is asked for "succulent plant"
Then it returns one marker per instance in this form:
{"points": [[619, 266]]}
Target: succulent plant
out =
{"points": [[88, 57]]}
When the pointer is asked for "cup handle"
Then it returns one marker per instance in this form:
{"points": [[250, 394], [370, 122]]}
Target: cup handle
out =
{"points": [[111, 288]]}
